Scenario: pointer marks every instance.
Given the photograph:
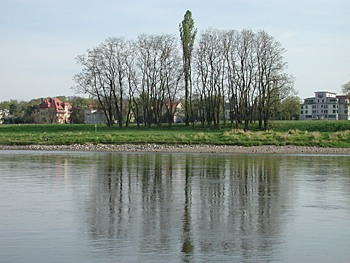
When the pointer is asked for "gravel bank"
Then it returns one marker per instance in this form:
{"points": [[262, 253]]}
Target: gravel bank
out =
{"points": [[183, 148]]}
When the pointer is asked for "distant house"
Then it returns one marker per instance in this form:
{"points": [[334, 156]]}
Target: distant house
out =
{"points": [[93, 116], [325, 106], [3, 114], [54, 111], [176, 109], [229, 111]]}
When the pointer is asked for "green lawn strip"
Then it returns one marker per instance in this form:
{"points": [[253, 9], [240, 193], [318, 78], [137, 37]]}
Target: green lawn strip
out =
{"points": [[299, 133]]}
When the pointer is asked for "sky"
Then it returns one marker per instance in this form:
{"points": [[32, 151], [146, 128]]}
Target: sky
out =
{"points": [[40, 39]]}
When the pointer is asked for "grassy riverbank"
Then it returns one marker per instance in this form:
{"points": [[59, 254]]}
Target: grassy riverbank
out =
{"points": [[299, 133]]}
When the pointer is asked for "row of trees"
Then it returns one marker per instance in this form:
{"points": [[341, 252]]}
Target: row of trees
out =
{"points": [[132, 78], [242, 73], [20, 111], [245, 69], [15, 112]]}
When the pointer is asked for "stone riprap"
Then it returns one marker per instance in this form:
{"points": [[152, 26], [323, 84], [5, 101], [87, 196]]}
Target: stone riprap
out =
{"points": [[270, 149]]}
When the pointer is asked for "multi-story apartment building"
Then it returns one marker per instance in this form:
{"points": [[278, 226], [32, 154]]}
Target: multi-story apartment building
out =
{"points": [[54, 111], [325, 106]]}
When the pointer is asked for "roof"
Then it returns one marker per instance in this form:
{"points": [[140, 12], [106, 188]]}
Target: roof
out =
{"points": [[55, 103], [174, 105], [325, 92]]}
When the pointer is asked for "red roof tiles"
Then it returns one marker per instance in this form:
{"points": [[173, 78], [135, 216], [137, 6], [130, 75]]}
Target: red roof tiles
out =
{"points": [[56, 104]]}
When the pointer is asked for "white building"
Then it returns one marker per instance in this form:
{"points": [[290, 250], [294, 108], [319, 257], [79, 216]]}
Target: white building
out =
{"points": [[325, 106], [3, 114], [176, 108], [92, 116]]}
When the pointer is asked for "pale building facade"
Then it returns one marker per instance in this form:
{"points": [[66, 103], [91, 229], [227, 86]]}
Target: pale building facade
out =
{"points": [[3, 114], [54, 111], [325, 106], [93, 116]]}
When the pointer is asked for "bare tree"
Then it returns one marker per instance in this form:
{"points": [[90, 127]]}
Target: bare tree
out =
{"points": [[113, 65], [132, 74], [104, 76], [245, 73], [270, 67], [149, 67], [159, 67], [210, 66], [171, 76], [91, 81], [229, 42]]}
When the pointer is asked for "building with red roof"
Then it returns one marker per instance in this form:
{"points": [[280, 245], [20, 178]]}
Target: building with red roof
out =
{"points": [[54, 111]]}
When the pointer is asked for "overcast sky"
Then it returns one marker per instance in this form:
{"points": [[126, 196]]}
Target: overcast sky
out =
{"points": [[40, 39]]}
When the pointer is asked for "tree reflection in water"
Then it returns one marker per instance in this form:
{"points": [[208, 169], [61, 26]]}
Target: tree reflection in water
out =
{"points": [[188, 206], [115, 207]]}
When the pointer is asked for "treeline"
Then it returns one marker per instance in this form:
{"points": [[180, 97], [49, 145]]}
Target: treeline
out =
{"points": [[227, 76], [244, 70], [28, 111], [224, 76]]}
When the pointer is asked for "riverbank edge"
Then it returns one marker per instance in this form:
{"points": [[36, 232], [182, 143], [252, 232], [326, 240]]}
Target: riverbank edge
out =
{"points": [[183, 148]]}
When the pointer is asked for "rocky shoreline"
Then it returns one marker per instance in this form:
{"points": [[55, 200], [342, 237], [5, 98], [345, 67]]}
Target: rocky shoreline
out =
{"points": [[270, 149]]}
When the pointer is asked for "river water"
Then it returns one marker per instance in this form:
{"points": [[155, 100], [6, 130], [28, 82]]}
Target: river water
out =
{"points": [[152, 207]]}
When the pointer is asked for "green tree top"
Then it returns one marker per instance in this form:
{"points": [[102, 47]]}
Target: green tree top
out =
{"points": [[187, 33], [346, 88]]}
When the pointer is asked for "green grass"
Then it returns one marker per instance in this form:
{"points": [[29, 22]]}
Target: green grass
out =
{"points": [[320, 126], [302, 133]]}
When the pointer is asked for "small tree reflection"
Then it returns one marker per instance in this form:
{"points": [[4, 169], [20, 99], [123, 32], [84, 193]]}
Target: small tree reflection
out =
{"points": [[187, 245]]}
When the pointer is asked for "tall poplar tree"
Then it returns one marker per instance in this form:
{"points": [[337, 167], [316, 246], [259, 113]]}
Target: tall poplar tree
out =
{"points": [[188, 35]]}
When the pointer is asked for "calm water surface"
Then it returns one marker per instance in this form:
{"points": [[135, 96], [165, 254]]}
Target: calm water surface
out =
{"points": [[110, 207]]}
